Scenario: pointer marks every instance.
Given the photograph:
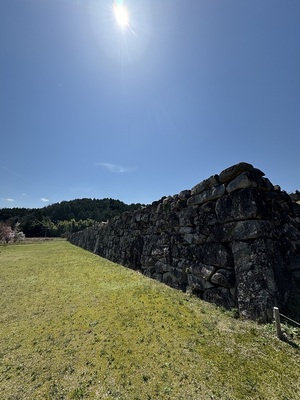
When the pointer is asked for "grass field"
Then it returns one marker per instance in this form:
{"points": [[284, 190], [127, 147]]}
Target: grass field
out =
{"points": [[75, 326]]}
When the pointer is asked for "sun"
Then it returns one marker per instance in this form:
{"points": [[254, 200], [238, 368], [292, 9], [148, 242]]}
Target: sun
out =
{"points": [[121, 14]]}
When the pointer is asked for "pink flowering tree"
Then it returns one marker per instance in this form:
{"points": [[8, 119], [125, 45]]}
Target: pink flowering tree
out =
{"points": [[6, 233]]}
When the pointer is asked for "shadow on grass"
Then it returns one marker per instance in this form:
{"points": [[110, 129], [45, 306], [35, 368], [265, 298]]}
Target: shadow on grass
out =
{"points": [[289, 341]]}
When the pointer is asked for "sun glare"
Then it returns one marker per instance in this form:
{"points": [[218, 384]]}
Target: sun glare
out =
{"points": [[121, 15]]}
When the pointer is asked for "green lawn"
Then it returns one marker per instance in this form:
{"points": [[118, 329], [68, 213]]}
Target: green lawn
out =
{"points": [[75, 326]]}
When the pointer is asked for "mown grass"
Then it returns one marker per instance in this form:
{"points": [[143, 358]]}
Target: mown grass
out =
{"points": [[75, 326]]}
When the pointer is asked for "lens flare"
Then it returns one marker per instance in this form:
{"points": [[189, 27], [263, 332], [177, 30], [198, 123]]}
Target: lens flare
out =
{"points": [[121, 14]]}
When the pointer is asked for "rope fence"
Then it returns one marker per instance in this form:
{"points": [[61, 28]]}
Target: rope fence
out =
{"points": [[294, 322], [277, 315]]}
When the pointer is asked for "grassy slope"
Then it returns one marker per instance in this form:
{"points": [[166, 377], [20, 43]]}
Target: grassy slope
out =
{"points": [[73, 326]]}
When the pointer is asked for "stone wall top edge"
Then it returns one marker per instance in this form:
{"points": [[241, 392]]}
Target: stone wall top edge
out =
{"points": [[225, 178]]}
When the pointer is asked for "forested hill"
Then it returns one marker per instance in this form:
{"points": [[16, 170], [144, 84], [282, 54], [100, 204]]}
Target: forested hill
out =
{"points": [[61, 218]]}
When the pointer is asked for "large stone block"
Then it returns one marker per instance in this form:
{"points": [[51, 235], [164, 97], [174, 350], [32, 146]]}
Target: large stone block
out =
{"points": [[215, 254], [184, 195], [220, 296], [261, 278], [176, 279], [206, 218], [206, 184], [252, 229], [241, 205], [186, 216], [241, 230], [210, 194], [162, 267], [197, 285], [247, 180], [232, 172], [223, 277], [203, 271]]}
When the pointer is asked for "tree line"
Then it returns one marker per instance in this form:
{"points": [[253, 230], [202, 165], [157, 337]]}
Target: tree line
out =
{"points": [[295, 196], [60, 219]]}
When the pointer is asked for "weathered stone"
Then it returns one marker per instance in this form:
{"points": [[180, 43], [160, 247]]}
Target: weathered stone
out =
{"points": [[223, 277], [202, 270], [243, 204], [186, 229], [161, 267], [216, 254], [156, 276], [199, 238], [186, 216], [157, 252], [219, 296], [206, 184], [183, 265], [160, 208], [290, 231], [247, 180], [251, 229], [175, 279], [184, 194], [261, 278], [177, 205], [138, 217], [198, 285], [241, 230], [221, 232], [189, 238], [207, 195], [167, 200], [206, 217], [230, 173], [150, 272], [169, 278], [267, 184]]}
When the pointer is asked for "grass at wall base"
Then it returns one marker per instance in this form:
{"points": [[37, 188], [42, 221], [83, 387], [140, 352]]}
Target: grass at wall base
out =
{"points": [[75, 326]]}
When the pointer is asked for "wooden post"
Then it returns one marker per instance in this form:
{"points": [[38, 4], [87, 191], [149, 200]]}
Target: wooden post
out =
{"points": [[277, 322]]}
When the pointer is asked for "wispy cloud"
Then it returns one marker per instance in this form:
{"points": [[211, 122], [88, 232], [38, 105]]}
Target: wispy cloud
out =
{"points": [[45, 200], [114, 168], [9, 200]]}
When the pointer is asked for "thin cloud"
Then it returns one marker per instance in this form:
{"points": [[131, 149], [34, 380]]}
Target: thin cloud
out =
{"points": [[9, 200], [45, 200], [117, 169]]}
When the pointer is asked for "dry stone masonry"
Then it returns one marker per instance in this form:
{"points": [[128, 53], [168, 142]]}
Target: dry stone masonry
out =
{"points": [[233, 240]]}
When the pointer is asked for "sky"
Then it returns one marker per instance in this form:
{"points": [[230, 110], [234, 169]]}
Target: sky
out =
{"points": [[91, 108]]}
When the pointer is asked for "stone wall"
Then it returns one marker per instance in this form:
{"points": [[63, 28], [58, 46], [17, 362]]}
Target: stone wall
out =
{"points": [[233, 239]]}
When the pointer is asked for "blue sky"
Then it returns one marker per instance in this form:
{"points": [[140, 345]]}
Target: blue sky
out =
{"points": [[190, 87]]}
